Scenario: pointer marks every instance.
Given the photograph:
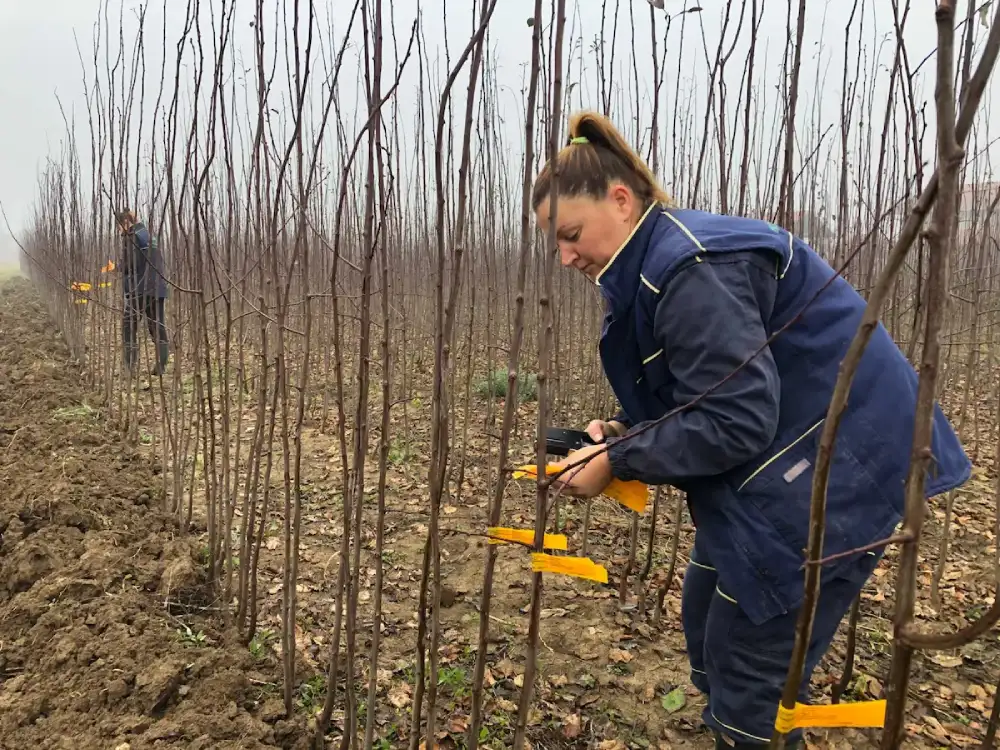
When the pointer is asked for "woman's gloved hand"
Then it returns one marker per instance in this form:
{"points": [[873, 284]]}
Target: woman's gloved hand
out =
{"points": [[598, 429]]}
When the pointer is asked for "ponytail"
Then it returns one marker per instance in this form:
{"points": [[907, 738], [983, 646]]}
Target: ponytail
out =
{"points": [[596, 156]]}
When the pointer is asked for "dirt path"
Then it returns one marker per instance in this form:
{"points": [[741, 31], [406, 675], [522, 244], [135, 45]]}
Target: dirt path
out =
{"points": [[103, 642]]}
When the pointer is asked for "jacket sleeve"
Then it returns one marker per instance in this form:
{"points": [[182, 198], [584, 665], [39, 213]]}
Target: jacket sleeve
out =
{"points": [[709, 320], [622, 417]]}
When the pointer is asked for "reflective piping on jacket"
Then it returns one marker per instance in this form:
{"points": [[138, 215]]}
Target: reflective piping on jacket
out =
{"points": [[645, 281], [724, 725], [651, 357], [687, 233], [791, 254], [624, 244], [780, 453], [700, 565], [727, 597]]}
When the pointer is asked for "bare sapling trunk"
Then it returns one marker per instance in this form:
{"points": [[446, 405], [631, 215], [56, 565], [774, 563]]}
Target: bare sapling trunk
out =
{"points": [[544, 366], [511, 400]]}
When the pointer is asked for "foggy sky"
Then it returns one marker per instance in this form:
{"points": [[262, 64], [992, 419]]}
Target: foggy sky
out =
{"points": [[39, 62]]}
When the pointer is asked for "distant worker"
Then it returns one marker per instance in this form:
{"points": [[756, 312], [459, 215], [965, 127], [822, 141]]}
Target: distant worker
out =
{"points": [[690, 297], [145, 291]]}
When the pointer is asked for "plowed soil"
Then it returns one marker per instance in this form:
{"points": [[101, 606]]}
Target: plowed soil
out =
{"points": [[107, 634]]}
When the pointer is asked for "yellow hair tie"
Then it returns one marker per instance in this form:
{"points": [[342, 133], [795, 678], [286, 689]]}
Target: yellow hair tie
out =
{"points": [[579, 139]]}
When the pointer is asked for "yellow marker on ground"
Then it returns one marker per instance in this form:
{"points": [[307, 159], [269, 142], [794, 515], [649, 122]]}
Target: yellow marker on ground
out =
{"points": [[865, 714], [633, 495], [503, 535], [581, 567]]}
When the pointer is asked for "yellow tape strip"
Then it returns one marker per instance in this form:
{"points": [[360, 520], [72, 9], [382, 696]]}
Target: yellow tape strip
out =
{"points": [[865, 714], [503, 535], [581, 567], [633, 495], [80, 301], [80, 286]]}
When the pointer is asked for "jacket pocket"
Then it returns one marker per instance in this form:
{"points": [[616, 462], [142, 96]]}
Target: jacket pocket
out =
{"points": [[790, 475], [779, 491]]}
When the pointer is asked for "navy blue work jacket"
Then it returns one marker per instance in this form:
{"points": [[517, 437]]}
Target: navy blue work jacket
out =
{"points": [[142, 264], [690, 296]]}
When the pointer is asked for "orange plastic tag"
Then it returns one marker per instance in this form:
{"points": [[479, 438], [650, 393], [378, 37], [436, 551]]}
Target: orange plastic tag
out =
{"points": [[633, 495], [503, 535], [581, 567], [865, 714], [109, 267]]}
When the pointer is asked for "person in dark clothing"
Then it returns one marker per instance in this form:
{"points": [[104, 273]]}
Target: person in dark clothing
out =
{"points": [[145, 291], [691, 296]]}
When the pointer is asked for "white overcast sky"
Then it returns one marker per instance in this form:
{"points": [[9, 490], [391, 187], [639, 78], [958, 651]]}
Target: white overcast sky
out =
{"points": [[39, 59]]}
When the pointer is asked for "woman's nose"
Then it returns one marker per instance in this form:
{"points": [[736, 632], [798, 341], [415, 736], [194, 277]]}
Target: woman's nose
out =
{"points": [[567, 256]]}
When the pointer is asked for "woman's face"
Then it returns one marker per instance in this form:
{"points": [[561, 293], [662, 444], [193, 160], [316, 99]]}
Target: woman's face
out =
{"points": [[589, 231]]}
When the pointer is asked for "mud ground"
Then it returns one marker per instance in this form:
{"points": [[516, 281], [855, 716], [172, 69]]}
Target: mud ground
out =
{"points": [[108, 637], [105, 639]]}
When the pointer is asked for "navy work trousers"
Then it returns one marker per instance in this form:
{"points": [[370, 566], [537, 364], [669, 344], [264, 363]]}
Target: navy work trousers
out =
{"points": [[742, 667], [152, 310]]}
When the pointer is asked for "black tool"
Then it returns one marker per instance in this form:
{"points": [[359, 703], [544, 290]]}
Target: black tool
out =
{"points": [[562, 442]]}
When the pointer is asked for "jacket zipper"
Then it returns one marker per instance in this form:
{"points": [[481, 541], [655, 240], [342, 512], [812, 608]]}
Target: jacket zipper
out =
{"points": [[780, 453]]}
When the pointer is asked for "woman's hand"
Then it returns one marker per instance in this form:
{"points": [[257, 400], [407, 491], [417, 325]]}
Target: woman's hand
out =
{"points": [[598, 429], [589, 479]]}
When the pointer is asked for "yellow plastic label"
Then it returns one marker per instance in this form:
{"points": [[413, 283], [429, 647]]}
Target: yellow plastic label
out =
{"points": [[865, 714], [581, 567], [104, 284], [530, 471], [80, 301], [633, 495], [81, 286], [503, 535]]}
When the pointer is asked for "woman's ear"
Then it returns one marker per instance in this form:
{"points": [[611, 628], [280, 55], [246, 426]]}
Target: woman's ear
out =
{"points": [[623, 199]]}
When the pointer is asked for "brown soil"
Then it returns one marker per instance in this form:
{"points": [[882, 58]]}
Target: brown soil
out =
{"points": [[106, 642], [106, 639]]}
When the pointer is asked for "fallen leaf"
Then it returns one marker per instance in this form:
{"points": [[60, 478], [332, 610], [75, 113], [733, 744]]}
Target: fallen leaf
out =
{"points": [[505, 705], [458, 724], [976, 691], [545, 614], [400, 696], [572, 726], [620, 656], [945, 660], [673, 701]]}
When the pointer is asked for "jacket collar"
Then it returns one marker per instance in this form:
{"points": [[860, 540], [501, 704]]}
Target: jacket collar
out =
{"points": [[619, 279]]}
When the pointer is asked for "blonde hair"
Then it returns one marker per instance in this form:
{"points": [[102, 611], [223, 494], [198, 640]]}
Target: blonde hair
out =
{"points": [[596, 156]]}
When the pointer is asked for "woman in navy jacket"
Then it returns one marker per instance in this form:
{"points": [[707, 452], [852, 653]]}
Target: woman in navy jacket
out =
{"points": [[690, 297]]}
